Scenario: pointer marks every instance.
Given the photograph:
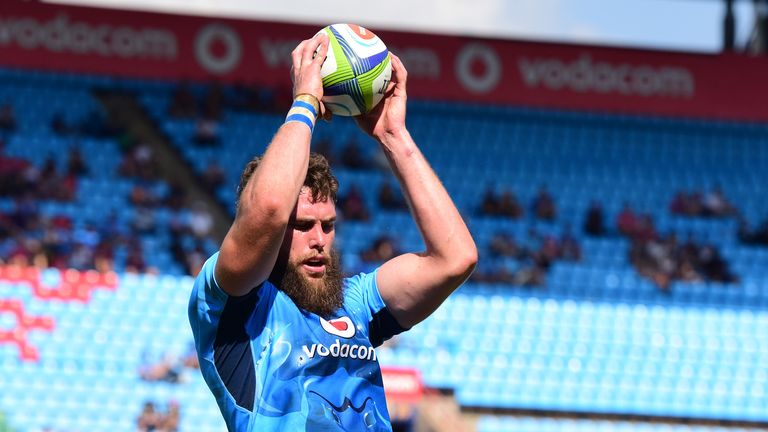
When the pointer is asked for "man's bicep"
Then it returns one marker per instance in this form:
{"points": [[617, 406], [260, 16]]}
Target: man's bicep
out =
{"points": [[412, 286], [246, 262]]}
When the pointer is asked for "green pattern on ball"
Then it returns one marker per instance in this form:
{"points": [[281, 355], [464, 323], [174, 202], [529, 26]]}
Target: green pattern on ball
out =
{"points": [[343, 68], [366, 79]]}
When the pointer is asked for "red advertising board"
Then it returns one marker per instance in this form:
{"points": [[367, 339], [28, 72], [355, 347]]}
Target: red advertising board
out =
{"points": [[152, 45], [402, 384]]}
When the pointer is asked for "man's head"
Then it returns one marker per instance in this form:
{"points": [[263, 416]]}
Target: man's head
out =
{"points": [[307, 267], [320, 180]]}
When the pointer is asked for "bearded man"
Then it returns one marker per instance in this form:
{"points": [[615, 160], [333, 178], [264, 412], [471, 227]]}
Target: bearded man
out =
{"points": [[284, 342]]}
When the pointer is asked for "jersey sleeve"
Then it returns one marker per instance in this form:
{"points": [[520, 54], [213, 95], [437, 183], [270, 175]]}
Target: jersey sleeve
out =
{"points": [[363, 299], [206, 305], [223, 347]]}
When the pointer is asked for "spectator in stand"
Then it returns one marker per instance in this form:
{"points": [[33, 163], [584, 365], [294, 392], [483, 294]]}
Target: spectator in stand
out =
{"points": [[139, 162], [695, 204], [530, 273], [144, 221], [104, 258], [383, 249], [532, 243], [112, 230], [30, 181], [172, 417], [543, 205], [594, 224], [646, 229], [166, 368], [76, 165], [150, 420], [48, 184], [529, 262], [758, 236], [490, 204], [206, 131], [81, 257], [390, 198], [214, 103], [679, 204], [134, 262], [183, 104], [653, 261], [548, 253], [200, 220], [7, 118], [715, 204], [665, 260], [26, 212], [569, 246], [502, 244], [176, 198], [58, 241], [60, 125], [12, 170], [714, 267], [627, 221], [195, 259], [353, 206], [508, 206], [142, 196]]}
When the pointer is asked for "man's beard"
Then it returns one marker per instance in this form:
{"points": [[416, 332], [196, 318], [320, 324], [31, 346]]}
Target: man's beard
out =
{"points": [[321, 296]]}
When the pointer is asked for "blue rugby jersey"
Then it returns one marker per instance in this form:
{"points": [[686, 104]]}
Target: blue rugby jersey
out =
{"points": [[271, 365]]}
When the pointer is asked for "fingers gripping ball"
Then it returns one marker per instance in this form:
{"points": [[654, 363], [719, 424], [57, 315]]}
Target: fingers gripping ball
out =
{"points": [[356, 70]]}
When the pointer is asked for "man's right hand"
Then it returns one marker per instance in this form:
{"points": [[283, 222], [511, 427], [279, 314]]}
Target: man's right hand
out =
{"points": [[308, 58]]}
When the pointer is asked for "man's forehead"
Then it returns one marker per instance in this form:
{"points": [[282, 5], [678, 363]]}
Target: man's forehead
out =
{"points": [[307, 208]]}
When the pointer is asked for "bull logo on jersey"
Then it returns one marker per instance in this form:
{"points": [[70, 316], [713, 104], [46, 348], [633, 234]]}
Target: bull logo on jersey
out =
{"points": [[341, 327]]}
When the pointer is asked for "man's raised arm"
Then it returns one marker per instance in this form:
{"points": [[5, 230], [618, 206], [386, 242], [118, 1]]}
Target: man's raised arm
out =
{"points": [[250, 248], [413, 285]]}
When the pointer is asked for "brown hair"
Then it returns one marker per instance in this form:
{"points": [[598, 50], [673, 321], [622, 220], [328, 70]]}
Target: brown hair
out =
{"points": [[320, 180]]}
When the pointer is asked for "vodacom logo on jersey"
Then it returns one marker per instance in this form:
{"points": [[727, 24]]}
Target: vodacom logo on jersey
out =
{"points": [[342, 327]]}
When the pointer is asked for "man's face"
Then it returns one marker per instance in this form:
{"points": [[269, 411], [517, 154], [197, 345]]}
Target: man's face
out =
{"points": [[311, 276], [311, 232]]}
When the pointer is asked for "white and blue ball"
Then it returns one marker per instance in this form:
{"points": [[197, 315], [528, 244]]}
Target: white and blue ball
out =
{"points": [[356, 71]]}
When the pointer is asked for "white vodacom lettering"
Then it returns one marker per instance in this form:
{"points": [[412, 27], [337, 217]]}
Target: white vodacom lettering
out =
{"points": [[277, 53], [584, 75], [339, 350], [421, 62], [62, 35]]}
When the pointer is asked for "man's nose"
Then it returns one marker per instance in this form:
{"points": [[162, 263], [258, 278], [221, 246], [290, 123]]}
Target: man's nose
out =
{"points": [[317, 238]]}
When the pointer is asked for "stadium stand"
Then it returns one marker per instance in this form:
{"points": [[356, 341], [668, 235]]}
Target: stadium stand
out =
{"points": [[595, 338], [590, 344]]}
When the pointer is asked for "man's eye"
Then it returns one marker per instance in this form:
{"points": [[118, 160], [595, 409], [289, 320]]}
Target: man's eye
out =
{"points": [[302, 226], [328, 227]]}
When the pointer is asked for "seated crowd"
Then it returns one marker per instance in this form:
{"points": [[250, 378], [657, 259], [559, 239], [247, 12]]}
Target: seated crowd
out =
{"points": [[28, 237]]}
